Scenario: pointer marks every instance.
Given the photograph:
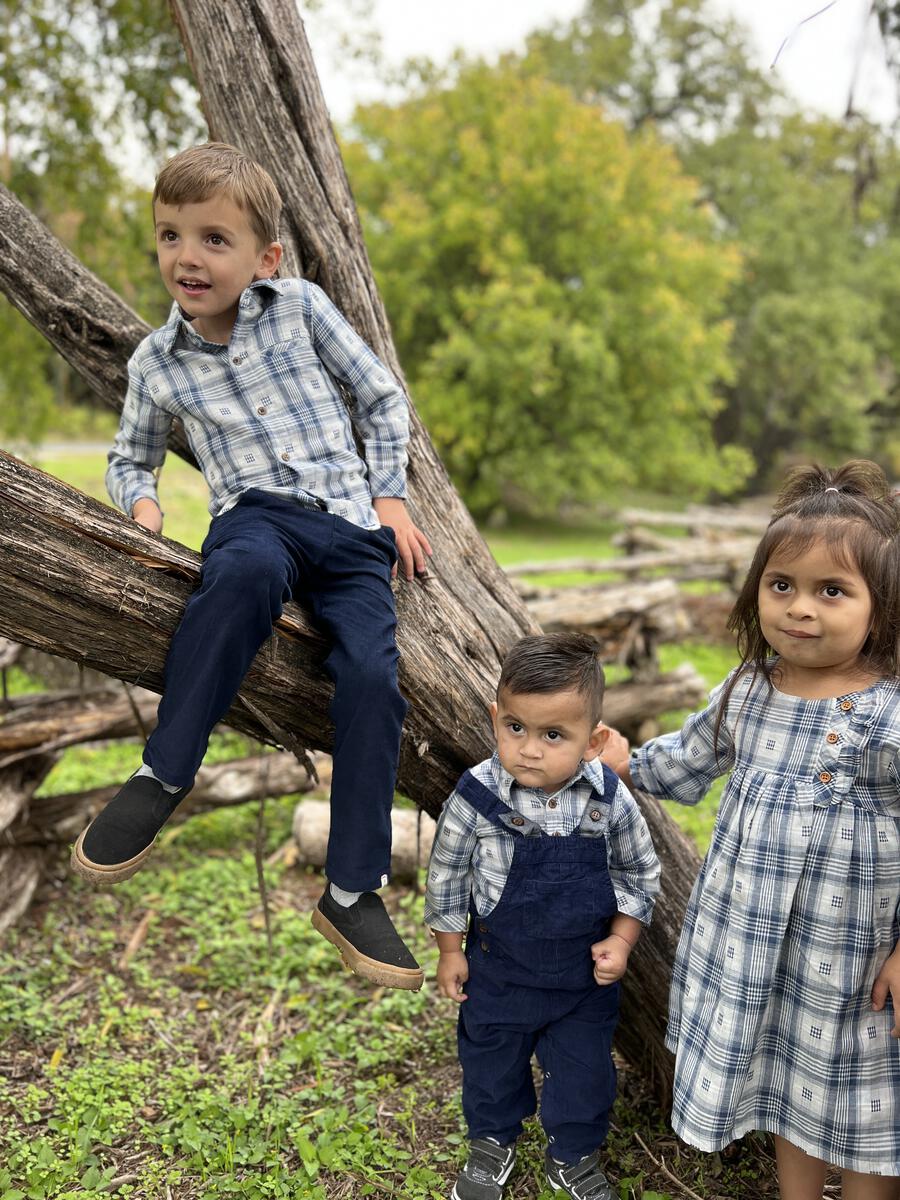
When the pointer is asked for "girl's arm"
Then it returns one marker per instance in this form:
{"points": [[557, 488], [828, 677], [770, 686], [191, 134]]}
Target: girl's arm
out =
{"points": [[682, 766]]}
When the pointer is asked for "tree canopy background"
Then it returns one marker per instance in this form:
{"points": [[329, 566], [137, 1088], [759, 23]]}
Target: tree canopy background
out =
{"points": [[621, 258]]}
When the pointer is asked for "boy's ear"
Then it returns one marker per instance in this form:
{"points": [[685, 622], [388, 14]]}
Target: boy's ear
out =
{"points": [[492, 709], [269, 260], [596, 742]]}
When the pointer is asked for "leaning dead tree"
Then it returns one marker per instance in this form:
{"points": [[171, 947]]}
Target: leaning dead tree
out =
{"points": [[80, 580]]}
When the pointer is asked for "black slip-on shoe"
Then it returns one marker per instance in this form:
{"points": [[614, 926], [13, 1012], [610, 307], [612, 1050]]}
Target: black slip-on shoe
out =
{"points": [[582, 1180], [118, 840], [487, 1169], [368, 942]]}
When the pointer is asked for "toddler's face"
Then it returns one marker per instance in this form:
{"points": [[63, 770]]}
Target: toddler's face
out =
{"points": [[208, 253], [815, 611], [542, 737]]}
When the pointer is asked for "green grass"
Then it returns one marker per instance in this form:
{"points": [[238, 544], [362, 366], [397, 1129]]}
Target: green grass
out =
{"points": [[198, 1068]]}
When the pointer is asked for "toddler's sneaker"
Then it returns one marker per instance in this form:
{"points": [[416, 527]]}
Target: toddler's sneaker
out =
{"points": [[582, 1180], [368, 942], [117, 842], [487, 1169]]}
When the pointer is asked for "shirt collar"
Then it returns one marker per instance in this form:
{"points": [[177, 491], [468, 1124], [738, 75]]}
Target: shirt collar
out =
{"points": [[179, 326]]}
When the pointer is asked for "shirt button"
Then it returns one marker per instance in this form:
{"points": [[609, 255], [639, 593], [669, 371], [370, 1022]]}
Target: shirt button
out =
{"points": [[285, 457], [518, 820], [551, 804], [557, 834], [824, 777], [262, 410], [832, 738], [595, 814], [846, 705]]}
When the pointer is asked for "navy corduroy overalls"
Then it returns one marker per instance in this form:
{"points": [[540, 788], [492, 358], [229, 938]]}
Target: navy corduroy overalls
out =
{"points": [[531, 988]]}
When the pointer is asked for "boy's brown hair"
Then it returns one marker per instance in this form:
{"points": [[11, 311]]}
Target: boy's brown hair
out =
{"points": [[216, 168], [556, 662]]}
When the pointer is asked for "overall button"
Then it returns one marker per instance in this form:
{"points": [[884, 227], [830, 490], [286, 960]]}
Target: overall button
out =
{"points": [[518, 820], [825, 777], [485, 947], [832, 738], [846, 705], [482, 928], [595, 814]]}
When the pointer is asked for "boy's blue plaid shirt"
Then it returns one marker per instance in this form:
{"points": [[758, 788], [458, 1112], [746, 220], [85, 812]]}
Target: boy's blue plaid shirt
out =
{"points": [[472, 857], [264, 411]]}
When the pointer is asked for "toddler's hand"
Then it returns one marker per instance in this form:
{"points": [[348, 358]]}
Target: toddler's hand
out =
{"points": [[610, 957], [888, 982], [452, 973]]}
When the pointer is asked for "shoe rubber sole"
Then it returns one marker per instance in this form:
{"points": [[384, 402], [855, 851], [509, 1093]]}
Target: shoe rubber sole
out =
{"points": [[500, 1182], [100, 874], [370, 968]]}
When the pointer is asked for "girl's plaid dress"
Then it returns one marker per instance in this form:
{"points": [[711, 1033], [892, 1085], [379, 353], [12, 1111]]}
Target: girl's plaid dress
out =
{"points": [[791, 918]]}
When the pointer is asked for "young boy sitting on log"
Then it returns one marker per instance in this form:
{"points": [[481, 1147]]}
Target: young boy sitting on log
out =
{"points": [[248, 363], [544, 856]]}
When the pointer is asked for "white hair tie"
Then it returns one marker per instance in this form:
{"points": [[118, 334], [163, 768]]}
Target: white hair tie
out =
{"points": [[833, 489]]}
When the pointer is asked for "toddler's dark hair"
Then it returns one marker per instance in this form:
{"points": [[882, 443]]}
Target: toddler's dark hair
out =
{"points": [[556, 662]]}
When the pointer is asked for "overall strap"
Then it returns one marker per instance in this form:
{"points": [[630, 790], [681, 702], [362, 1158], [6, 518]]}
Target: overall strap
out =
{"points": [[489, 805]]}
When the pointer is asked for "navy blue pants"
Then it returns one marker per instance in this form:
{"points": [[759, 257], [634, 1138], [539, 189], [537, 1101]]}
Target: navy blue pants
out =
{"points": [[571, 1034], [256, 556]]}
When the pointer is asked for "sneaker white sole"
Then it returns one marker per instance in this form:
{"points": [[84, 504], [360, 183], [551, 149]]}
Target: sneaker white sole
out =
{"points": [[407, 978], [454, 1195]]}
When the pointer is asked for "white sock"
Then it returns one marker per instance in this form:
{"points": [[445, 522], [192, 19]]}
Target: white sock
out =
{"points": [[345, 899], [167, 787]]}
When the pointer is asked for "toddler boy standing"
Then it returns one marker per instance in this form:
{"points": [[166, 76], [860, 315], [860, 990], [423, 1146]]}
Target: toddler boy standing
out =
{"points": [[544, 855], [248, 364]]}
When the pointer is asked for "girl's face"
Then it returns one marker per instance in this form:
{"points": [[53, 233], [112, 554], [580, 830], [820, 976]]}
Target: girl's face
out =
{"points": [[814, 610]]}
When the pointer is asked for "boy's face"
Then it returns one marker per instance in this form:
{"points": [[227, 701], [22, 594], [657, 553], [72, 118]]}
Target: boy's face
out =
{"points": [[208, 254], [543, 737]]}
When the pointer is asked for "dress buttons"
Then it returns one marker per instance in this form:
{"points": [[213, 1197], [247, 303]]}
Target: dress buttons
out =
{"points": [[595, 814], [262, 410], [846, 705], [832, 738], [551, 804], [518, 820], [825, 777], [285, 458]]}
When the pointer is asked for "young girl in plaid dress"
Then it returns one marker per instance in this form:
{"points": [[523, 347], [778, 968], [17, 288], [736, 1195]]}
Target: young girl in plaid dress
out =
{"points": [[785, 1002]]}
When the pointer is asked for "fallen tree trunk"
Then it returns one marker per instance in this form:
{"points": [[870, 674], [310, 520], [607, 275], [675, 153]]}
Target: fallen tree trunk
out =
{"points": [[411, 836], [71, 720]]}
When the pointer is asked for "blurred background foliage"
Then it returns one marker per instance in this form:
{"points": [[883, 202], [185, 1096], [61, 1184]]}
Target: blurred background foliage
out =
{"points": [[620, 258]]}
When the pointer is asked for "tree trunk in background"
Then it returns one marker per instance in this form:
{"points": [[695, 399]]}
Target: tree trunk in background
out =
{"points": [[73, 574]]}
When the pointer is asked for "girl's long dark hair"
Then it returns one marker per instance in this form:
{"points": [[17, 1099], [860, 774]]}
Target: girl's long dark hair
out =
{"points": [[854, 510]]}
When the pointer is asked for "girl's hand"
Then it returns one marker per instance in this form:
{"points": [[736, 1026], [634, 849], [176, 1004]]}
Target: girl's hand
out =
{"points": [[888, 982], [452, 973]]}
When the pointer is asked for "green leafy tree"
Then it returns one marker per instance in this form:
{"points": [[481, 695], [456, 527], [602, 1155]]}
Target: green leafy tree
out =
{"points": [[555, 289]]}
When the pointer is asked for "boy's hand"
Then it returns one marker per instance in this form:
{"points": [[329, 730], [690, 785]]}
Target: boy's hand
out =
{"points": [[147, 513], [617, 753], [412, 544], [888, 981], [452, 973], [610, 958]]}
